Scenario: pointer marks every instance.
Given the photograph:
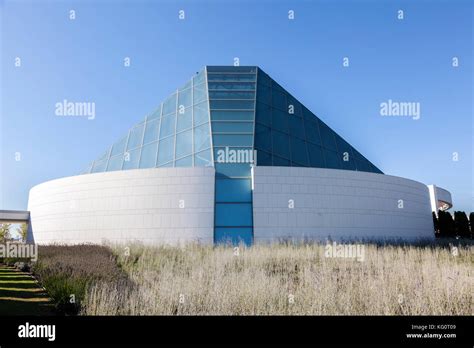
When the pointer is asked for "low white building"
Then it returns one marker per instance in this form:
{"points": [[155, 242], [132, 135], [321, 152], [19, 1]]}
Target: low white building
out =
{"points": [[163, 182]]}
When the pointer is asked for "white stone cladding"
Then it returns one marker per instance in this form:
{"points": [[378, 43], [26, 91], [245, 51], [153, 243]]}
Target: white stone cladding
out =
{"points": [[338, 204], [125, 206], [144, 205]]}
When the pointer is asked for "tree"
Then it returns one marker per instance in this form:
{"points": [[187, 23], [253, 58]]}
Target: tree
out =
{"points": [[441, 224], [23, 231], [461, 224], [446, 224], [4, 232]]}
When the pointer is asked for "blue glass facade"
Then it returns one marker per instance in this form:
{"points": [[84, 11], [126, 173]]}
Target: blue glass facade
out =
{"points": [[231, 118], [177, 134], [232, 95], [288, 134]]}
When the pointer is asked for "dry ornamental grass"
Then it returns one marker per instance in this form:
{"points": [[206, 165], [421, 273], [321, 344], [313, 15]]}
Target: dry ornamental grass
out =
{"points": [[287, 280]]}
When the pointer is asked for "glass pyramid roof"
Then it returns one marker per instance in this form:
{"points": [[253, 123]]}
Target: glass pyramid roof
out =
{"points": [[240, 107]]}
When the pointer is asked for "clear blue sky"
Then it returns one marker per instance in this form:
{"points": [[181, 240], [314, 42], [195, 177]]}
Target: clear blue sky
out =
{"points": [[82, 60]]}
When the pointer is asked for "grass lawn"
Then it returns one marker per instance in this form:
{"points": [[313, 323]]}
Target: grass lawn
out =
{"points": [[20, 294]]}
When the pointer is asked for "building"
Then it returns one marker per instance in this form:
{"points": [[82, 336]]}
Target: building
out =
{"points": [[231, 156]]}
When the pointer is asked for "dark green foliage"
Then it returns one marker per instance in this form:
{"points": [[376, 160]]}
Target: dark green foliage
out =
{"points": [[471, 223], [461, 224], [446, 224], [458, 227]]}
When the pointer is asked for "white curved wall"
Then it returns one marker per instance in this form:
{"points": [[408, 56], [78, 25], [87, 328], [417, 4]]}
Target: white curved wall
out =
{"points": [[124, 206], [339, 204], [144, 205]]}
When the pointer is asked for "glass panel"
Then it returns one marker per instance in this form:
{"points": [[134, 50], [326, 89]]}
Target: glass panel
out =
{"points": [[279, 100], [233, 235], [119, 147], [239, 214], [357, 155], [232, 127], [376, 170], [316, 158], [230, 154], [348, 161], [201, 113], [308, 115], [233, 190], [264, 94], [232, 104], [203, 159], [292, 103], [363, 166], [264, 158], [184, 144], [232, 115], [264, 78], [199, 78], [263, 138], [185, 119], [264, 114], [103, 157], [345, 153], [232, 85], [233, 170], [151, 131], [312, 132], [332, 159], [327, 137], [277, 87], [131, 158], [184, 98], [186, 86], [168, 164], [184, 162], [280, 162], [280, 120], [115, 163], [136, 136], [232, 140], [169, 105], [199, 93], [88, 169], [231, 95], [298, 151], [281, 144], [202, 139], [342, 145], [296, 126], [166, 150], [99, 167], [233, 69], [155, 115], [231, 77], [167, 125], [148, 157]]}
